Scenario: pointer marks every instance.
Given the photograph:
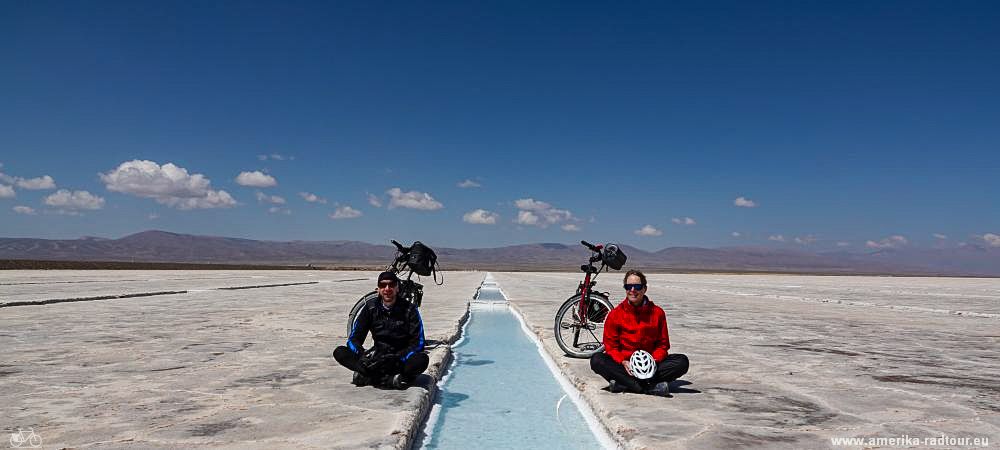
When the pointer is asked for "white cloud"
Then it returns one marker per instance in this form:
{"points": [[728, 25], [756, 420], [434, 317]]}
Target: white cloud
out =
{"points": [[212, 199], [312, 198], [940, 236], [345, 212], [24, 210], [805, 240], [894, 241], [481, 217], [44, 182], [648, 230], [744, 202], [526, 218], [531, 204], [992, 239], [556, 215], [776, 238], [412, 200], [683, 221], [736, 234], [153, 216], [272, 199], [540, 214], [76, 200], [256, 179], [570, 227], [374, 200], [7, 191], [169, 185], [468, 184], [279, 210], [276, 157]]}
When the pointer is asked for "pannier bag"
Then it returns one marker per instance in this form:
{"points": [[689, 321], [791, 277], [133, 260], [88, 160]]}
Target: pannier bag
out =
{"points": [[412, 291], [614, 257], [422, 259]]}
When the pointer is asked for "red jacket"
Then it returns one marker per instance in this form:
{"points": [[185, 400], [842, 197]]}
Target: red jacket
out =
{"points": [[629, 328]]}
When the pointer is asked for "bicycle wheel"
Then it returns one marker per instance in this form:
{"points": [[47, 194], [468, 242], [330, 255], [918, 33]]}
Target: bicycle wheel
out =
{"points": [[576, 339], [353, 316]]}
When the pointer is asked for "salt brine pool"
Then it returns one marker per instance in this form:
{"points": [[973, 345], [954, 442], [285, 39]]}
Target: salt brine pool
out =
{"points": [[501, 392]]}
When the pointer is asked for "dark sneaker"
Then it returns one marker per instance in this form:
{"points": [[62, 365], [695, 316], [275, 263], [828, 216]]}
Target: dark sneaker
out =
{"points": [[616, 388], [360, 380], [661, 389], [398, 382]]}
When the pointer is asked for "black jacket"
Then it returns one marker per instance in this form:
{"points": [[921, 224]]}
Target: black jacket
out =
{"points": [[398, 330]]}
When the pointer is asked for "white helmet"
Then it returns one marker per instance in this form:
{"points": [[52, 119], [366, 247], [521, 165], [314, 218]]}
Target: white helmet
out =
{"points": [[643, 364]]}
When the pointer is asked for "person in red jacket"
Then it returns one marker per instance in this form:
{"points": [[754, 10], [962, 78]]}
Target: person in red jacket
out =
{"points": [[637, 324]]}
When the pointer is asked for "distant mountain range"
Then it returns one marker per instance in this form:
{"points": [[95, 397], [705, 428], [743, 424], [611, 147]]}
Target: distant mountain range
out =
{"points": [[162, 246]]}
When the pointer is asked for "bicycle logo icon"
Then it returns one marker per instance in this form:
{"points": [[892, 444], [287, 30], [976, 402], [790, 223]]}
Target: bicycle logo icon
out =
{"points": [[25, 439]]}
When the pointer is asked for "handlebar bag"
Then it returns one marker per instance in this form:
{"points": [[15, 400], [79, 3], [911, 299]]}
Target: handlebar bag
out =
{"points": [[613, 256], [422, 259]]}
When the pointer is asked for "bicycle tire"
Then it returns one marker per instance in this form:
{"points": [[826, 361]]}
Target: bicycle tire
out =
{"points": [[567, 323], [353, 316]]}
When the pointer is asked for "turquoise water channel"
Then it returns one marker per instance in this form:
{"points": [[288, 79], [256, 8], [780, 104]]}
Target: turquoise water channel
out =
{"points": [[500, 393]]}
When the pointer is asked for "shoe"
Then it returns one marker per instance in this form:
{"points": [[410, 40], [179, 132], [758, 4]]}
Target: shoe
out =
{"points": [[661, 389], [360, 380], [616, 388], [398, 382]]}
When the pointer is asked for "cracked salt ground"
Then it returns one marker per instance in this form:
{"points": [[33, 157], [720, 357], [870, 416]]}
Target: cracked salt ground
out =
{"points": [[794, 374], [773, 370], [246, 368]]}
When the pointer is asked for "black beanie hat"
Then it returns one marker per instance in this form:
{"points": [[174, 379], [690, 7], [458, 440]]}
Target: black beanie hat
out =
{"points": [[388, 276]]}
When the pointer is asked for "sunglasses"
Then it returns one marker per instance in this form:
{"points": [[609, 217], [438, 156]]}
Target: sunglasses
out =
{"points": [[386, 284], [634, 287]]}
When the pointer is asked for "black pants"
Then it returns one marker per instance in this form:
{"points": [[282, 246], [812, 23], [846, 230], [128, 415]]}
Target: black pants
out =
{"points": [[415, 365], [670, 369]]}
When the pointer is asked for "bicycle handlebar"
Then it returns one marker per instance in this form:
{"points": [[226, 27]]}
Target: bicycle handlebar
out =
{"points": [[403, 254], [592, 247]]}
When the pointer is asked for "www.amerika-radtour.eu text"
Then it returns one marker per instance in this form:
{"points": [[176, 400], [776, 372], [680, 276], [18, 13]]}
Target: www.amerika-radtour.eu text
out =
{"points": [[911, 441]]}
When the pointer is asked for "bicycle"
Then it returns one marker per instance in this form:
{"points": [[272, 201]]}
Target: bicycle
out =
{"points": [[408, 289], [582, 335], [25, 439]]}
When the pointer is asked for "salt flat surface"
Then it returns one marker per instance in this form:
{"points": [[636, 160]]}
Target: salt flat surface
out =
{"points": [[776, 361], [245, 368], [773, 364], [57, 284]]}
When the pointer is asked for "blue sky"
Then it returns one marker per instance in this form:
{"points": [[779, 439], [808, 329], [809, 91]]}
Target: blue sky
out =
{"points": [[847, 125]]}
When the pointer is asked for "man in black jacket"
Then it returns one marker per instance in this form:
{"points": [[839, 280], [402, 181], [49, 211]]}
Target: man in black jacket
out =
{"points": [[397, 356]]}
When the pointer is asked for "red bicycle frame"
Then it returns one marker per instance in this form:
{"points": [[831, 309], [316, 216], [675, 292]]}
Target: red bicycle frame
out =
{"points": [[584, 308]]}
